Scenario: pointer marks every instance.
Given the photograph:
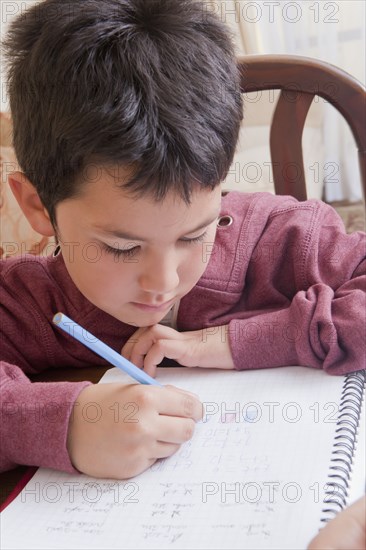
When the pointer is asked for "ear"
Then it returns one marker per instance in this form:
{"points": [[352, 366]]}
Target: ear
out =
{"points": [[29, 201]]}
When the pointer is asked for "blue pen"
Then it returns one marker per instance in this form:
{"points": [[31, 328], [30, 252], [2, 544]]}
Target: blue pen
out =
{"points": [[91, 342]]}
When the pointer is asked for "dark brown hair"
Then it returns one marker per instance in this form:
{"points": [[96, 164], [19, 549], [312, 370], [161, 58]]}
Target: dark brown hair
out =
{"points": [[151, 84]]}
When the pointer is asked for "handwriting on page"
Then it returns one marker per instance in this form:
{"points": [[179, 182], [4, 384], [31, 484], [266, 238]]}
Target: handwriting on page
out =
{"points": [[239, 483], [174, 510]]}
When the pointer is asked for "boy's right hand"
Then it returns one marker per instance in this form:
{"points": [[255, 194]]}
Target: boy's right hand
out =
{"points": [[118, 430]]}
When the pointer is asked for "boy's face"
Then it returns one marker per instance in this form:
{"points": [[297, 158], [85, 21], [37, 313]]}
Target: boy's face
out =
{"points": [[133, 258]]}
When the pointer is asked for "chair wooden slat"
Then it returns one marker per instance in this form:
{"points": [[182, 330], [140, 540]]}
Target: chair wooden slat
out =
{"points": [[308, 77], [286, 147]]}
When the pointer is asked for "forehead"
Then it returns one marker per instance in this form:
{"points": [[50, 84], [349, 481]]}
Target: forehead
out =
{"points": [[104, 204]]}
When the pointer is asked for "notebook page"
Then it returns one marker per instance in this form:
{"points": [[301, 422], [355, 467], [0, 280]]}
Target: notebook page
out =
{"points": [[252, 476]]}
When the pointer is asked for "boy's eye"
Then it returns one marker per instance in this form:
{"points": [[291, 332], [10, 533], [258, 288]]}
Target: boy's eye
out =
{"points": [[195, 239], [117, 252], [129, 252]]}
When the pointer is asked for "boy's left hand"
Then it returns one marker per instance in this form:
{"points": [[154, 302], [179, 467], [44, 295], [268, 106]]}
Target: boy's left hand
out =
{"points": [[207, 348]]}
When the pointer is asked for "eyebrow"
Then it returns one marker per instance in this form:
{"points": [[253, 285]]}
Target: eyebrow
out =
{"points": [[128, 236]]}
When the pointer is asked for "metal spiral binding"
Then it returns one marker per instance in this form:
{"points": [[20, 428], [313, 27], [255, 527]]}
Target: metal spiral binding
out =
{"points": [[336, 490]]}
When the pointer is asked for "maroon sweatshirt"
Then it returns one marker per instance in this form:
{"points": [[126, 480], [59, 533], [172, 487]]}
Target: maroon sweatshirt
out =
{"points": [[284, 276]]}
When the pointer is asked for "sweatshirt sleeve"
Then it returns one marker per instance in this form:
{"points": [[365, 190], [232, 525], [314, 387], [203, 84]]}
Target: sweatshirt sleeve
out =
{"points": [[34, 416], [314, 281], [34, 420]]}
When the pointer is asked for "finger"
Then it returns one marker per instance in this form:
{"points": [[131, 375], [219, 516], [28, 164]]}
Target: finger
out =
{"points": [[181, 390], [180, 404], [175, 430], [172, 349], [139, 362], [165, 449], [149, 359], [126, 350], [151, 372], [138, 354], [144, 339]]}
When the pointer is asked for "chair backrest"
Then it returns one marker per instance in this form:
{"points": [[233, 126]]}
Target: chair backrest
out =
{"points": [[300, 79]]}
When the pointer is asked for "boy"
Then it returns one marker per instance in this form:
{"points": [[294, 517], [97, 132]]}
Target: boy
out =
{"points": [[126, 115]]}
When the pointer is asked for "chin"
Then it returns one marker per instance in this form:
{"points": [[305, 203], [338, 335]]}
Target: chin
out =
{"points": [[150, 320], [141, 321]]}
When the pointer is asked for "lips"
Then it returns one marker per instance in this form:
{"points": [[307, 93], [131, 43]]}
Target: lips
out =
{"points": [[155, 307]]}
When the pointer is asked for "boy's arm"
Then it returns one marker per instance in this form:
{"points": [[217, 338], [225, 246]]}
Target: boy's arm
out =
{"points": [[104, 430], [35, 420], [322, 271]]}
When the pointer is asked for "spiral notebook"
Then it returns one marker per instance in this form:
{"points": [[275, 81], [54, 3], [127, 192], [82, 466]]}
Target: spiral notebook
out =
{"points": [[278, 453]]}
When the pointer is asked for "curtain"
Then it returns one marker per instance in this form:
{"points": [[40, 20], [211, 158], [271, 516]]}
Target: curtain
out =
{"points": [[330, 31]]}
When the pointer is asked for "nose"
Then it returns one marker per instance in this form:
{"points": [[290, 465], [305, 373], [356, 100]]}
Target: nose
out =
{"points": [[159, 274]]}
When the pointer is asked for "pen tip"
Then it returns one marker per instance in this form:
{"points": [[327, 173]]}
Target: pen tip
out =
{"points": [[57, 318]]}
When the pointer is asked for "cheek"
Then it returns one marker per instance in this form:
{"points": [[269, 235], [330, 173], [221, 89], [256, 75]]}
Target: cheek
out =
{"points": [[99, 277], [195, 263], [199, 256]]}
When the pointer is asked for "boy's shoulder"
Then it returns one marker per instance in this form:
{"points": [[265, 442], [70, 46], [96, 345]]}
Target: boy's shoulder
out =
{"points": [[33, 278], [26, 269], [40, 284], [269, 231], [269, 203], [262, 212]]}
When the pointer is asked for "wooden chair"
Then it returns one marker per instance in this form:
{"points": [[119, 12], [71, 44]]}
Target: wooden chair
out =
{"points": [[300, 79]]}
